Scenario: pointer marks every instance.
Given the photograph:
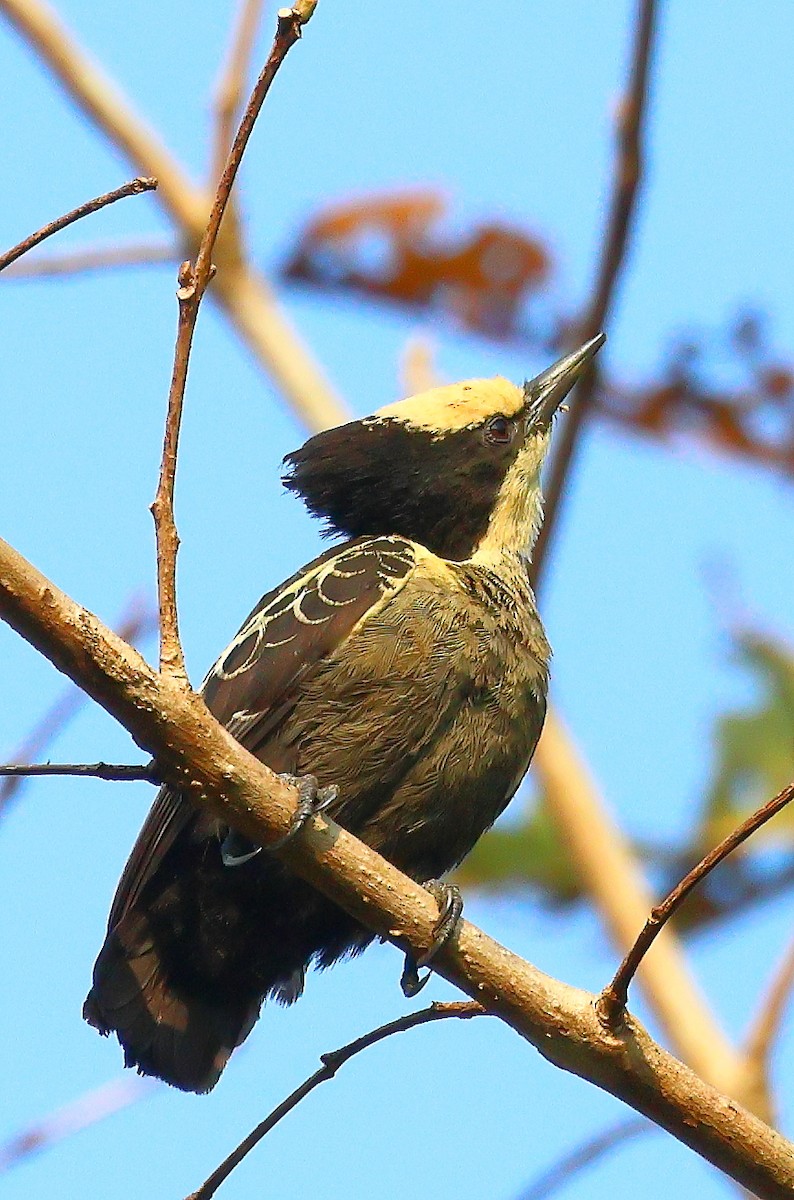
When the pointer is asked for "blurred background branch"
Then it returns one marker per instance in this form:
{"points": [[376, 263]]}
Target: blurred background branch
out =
{"points": [[615, 246]]}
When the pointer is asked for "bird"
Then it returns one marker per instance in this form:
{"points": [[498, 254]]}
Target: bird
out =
{"points": [[399, 679]]}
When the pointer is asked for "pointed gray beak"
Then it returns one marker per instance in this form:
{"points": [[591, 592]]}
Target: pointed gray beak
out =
{"points": [[546, 393]]}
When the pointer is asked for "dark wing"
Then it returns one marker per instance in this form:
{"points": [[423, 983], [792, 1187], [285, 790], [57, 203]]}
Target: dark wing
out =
{"points": [[167, 817], [257, 680]]}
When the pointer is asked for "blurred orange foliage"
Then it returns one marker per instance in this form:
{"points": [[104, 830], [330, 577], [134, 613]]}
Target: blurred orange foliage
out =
{"points": [[495, 280]]}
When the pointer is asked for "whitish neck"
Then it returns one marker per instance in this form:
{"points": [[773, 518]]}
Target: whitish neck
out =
{"points": [[513, 525]]}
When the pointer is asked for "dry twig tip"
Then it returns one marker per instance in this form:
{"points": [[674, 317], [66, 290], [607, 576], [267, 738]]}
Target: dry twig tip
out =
{"points": [[134, 188], [612, 1001], [193, 279], [332, 1060]]}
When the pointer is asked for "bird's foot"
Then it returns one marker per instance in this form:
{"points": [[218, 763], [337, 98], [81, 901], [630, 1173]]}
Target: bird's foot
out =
{"points": [[450, 907], [312, 799], [237, 849]]}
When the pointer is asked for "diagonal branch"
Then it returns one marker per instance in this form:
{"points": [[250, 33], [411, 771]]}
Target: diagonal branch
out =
{"points": [[240, 291], [193, 280], [615, 244], [138, 622], [331, 1061], [134, 188], [613, 999], [766, 1026], [201, 758]]}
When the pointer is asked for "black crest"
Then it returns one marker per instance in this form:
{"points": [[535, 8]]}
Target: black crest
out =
{"points": [[382, 476]]}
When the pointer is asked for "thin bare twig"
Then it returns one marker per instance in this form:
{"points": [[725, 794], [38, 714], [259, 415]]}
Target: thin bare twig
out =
{"points": [[231, 85], [331, 1061], [78, 1114], [193, 280], [584, 1156], [136, 624], [134, 188], [625, 189], [612, 1001], [93, 258], [114, 772], [240, 290]]}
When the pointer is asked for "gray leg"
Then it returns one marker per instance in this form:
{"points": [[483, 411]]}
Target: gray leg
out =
{"points": [[450, 907]]}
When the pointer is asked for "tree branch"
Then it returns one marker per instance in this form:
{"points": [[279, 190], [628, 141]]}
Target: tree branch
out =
{"points": [[331, 1061], [240, 291], [114, 772], [133, 188], [627, 179], [193, 280], [136, 624], [417, 368], [766, 1026], [612, 1001], [201, 758]]}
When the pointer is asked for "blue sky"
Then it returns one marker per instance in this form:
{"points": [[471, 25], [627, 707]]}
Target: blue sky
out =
{"points": [[511, 116]]}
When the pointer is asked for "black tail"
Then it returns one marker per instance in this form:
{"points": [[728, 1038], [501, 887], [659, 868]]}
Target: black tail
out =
{"points": [[184, 1040]]}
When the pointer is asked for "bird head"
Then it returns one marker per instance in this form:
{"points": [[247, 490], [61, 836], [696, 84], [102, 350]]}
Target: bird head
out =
{"points": [[456, 468]]}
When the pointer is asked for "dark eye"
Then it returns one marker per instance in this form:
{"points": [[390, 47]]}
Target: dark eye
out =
{"points": [[499, 431]]}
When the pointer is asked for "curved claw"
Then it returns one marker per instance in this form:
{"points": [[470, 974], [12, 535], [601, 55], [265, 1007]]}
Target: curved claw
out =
{"points": [[450, 908], [236, 849], [312, 799]]}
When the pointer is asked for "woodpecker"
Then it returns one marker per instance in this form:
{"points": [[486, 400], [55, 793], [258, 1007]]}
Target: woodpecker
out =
{"points": [[400, 679]]}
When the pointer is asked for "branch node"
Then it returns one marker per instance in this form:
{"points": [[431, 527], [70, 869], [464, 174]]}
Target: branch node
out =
{"points": [[186, 278], [193, 279], [304, 10], [610, 1009]]}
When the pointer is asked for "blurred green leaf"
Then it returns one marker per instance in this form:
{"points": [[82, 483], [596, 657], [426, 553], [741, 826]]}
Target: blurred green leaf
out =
{"points": [[755, 748], [754, 758], [529, 855]]}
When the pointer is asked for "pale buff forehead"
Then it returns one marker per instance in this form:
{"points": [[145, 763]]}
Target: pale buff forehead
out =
{"points": [[457, 405]]}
